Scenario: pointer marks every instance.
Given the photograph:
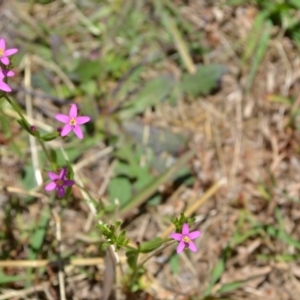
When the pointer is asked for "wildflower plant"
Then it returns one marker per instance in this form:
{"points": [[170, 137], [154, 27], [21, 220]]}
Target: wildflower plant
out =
{"points": [[61, 182]]}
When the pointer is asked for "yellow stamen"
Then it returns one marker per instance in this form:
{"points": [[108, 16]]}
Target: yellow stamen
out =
{"points": [[59, 182], [186, 239], [1, 52], [72, 122]]}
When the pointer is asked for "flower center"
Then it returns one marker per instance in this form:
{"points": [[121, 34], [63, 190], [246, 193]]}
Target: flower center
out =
{"points": [[1, 52], [59, 182], [72, 122], [186, 239]]}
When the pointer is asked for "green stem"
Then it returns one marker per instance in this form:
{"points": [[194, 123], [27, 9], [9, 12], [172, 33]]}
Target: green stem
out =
{"points": [[17, 109], [102, 206], [138, 266], [45, 151], [41, 142], [153, 254]]}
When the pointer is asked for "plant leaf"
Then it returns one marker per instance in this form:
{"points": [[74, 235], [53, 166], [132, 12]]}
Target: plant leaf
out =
{"points": [[151, 245], [203, 81], [119, 188], [151, 188]]}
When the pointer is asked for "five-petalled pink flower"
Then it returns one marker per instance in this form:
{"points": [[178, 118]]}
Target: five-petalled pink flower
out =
{"points": [[59, 182], [72, 121], [185, 238], [4, 53]]}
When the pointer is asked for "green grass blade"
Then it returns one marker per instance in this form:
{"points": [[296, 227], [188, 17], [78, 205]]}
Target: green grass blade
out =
{"points": [[143, 195], [218, 271], [253, 38], [37, 238], [259, 54]]}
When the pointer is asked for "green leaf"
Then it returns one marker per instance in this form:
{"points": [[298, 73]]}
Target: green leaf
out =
{"points": [[282, 232], [53, 155], [49, 136], [88, 69], [216, 275], [227, 287], [4, 278], [160, 140], [29, 181], [38, 235], [218, 270], [295, 3], [203, 81], [259, 53], [174, 263], [151, 245], [119, 188], [132, 256], [152, 93], [90, 88], [152, 187]]}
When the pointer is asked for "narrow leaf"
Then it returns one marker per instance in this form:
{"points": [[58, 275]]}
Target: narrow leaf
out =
{"points": [[143, 195]]}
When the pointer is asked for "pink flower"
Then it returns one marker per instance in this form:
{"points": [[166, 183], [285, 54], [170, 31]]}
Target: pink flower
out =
{"points": [[3, 85], [5, 53], [185, 238], [72, 122], [59, 182]]}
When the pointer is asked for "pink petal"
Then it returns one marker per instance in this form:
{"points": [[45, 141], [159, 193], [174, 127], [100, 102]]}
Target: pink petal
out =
{"points": [[78, 131], [68, 182], [4, 87], [194, 234], [192, 246], [53, 176], [73, 111], [82, 120], [176, 236], [185, 229], [2, 44], [62, 118], [66, 130], [11, 51], [63, 173], [5, 60], [50, 186], [180, 247], [61, 192], [9, 73]]}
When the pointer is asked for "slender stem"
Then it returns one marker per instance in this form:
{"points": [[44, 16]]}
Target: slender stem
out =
{"points": [[18, 110], [130, 247], [154, 253], [102, 206], [45, 150], [138, 266]]}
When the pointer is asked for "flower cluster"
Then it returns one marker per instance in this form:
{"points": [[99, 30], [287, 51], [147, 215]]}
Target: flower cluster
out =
{"points": [[72, 122], [4, 65]]}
